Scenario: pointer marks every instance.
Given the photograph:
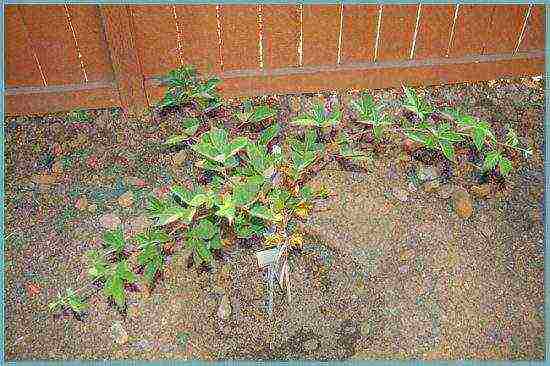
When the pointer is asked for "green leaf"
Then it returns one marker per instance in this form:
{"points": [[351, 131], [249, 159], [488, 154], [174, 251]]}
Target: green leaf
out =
{"points": [[377, 131], [151, 269], [203, 251], [175, 213], [486, 127], [365, 107], [333, 119], [175, 139], [199, 199], [479, 138], [206, 149], [235, 146], [123, 271], [98, 264], [504, 165], [262, 113], [114, 288], [268, 134], [227, 209], [309, 139], [305, 120], [183, 193], [491, 160], [451, 136], [215, 243], [417, 136], [206, 229], [75, 303], [416, 104], [265, 213], [115, 240], [190, 125], [218, 136], [448, 149], [245, 194]]}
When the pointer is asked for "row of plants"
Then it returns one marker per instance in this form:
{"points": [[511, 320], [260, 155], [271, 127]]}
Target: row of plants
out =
{"points": [[251, 180]]}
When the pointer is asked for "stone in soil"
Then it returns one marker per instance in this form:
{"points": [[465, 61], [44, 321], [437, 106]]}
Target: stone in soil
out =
{"points": [[57, 167], [445, 192], [462, 203], [126, 200], [180, 158], [118, 333], [427, 174], [140, 224], [400, 194], [110, 221], [295, 104], [431, 186], [392, 173], [82, 203], [482, 191], [224, 310]]}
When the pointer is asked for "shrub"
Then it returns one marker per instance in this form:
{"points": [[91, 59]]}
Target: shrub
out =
{"points": [[257, 189]]}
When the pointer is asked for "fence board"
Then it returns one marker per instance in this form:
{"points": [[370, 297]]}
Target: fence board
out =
{"points": [[21, 66], [434, 31], [156, 38], [59, 99], [396, 32], [107, 42], [321, 30], [198, 26], [91, 42], [471, 30], [357, 45], [505, 29], [533, 38], [53, 43], [128, 74], [373, 76], [240, 37], [281, 32]]}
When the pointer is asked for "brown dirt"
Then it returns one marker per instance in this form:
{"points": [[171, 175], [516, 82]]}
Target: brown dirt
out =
{"points": [[383, 279]]}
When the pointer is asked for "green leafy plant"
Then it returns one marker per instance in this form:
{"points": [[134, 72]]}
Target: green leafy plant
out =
{"points": [[253, 186], [185, 86], [190, 127], [254, 115], [319, 117], [371, 114], [79, 115]]}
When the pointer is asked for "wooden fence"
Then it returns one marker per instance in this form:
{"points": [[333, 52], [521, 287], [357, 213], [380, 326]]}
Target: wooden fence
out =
{"points": [[60, 57]]}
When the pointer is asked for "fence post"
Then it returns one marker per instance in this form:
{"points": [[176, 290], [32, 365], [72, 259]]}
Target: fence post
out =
{"points": [[117, 23]]}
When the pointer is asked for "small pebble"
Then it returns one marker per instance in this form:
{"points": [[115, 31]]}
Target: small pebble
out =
{"points": [[400, 194], [110, 221], [403, 268]]}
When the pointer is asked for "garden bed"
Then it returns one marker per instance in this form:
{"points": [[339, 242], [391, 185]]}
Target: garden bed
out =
{"points": [[390, 268]]}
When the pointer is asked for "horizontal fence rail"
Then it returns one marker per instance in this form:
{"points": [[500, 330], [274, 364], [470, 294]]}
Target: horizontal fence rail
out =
{"points": [[60, 57]]}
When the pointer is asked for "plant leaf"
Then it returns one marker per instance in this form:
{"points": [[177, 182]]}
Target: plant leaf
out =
{"points": [[115, 240], [264, 213], [175, 213], [262, 113], [268, 134], [504, 165], [227, 208], [479, 138], [491, 160], [206, 229], [448, 149]]}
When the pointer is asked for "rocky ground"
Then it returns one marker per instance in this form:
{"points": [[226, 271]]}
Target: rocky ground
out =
{"points": [[393, 268]]}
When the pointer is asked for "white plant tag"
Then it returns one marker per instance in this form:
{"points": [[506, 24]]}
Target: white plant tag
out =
{"points": [[267, 257]]}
